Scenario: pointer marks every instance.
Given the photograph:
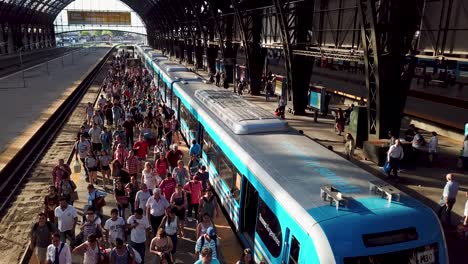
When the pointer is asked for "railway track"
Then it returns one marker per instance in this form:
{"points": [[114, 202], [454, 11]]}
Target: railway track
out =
{"points": [[19, 168]]}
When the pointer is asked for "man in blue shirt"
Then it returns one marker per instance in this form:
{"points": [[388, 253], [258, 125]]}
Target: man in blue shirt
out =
{"points": [[449, 197], [195, 149]]}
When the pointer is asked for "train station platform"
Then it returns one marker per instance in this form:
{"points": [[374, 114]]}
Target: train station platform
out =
{"points": [[27, 105], [229, 245]]}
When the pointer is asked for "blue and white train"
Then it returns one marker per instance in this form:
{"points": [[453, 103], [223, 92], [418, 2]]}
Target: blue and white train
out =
{"points": [[292, 200]]}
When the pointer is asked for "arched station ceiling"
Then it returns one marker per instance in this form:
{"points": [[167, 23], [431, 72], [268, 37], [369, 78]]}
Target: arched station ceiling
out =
{"points": [[158, 15]]}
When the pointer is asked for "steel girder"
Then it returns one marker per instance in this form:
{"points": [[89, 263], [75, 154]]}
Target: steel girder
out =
{"points": [[387, 32], [295, 21]]}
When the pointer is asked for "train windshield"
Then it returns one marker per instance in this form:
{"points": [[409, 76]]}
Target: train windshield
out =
{"points": [[421, 255]]}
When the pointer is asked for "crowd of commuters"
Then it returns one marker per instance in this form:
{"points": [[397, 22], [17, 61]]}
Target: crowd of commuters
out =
{"points": [[153, 191]]}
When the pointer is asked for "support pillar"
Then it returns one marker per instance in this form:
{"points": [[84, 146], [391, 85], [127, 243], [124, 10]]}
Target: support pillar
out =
{"points": [[11, 43], [387, 33], [199, 55], [212, 55], [25, 35], [2, 41], [189, 48], [230, 54], [31, 38], [256, 58]]}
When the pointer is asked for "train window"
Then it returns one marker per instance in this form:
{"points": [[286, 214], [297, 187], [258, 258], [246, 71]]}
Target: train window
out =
{"points": [[294, 251], [228, 174], [192, 123], [210, 148], [269, 229]]}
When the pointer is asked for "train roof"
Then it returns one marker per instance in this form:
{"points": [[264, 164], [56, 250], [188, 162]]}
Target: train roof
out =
{"points": [[170, 66], [241, 116], [186, 76]]}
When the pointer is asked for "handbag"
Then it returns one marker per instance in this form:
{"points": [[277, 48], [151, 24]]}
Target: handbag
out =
{"points": [[386, 167], [99, 202], [74, 196], [123, 200], [76, 166]]}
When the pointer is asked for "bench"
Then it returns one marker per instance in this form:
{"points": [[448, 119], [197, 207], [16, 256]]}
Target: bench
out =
{"points": [[328, 192], [384, 189]]}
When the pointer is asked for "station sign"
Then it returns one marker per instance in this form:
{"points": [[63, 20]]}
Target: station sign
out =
{"points": [[99, 18]]}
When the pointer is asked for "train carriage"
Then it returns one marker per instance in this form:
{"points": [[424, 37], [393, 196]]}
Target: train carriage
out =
{"points": [[290, 199]]}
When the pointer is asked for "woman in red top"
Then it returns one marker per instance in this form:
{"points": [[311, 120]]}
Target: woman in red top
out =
{"points": [[162, 166], [194, 188], [168, 186]]}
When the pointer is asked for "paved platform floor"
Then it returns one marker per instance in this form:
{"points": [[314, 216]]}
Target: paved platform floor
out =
{"points": [[25, 108]]}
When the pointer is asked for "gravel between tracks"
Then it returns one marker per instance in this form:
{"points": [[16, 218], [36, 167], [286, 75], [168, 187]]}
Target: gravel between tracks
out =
{"points": [[16, 222]]}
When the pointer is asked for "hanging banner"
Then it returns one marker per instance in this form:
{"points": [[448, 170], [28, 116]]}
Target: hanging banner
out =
{"points": [[101, 18]]}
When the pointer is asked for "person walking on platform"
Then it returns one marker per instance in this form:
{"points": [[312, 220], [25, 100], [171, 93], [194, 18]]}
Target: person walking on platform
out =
{"points": [[129, 125], [60, 171], [449, 197], [417, 145], [195, 148], [95, 134], [209, 205], [66, 217], [247, 257], [281, 107], [463, 159], [350, 145], [173, 156], [394, 156], [208, 240], [83, 147], [51, 201], [432, 148], [156, 209], [41, 235], [207, 257], [58, 252], [138, 225], [161, 245]]}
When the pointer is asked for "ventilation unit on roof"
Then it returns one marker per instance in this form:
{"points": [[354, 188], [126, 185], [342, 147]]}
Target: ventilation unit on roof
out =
{"points": [[385, 190], [241, 116], [333, 195]]}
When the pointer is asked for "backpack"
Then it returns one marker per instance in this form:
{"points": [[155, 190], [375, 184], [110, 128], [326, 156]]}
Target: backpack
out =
{"points": [[203, 243]]}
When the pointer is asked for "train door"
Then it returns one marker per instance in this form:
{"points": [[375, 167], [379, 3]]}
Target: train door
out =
{"points": [[249, 211], [291, 249]]}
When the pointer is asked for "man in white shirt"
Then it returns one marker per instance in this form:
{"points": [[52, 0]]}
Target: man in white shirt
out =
{"points": [[66, 217], [394, 156], [142, 197], [95, 135], [58, 252], [83, 146], [139, 225], [115, 227], [156, 209], [449, 197], [465, 212]]}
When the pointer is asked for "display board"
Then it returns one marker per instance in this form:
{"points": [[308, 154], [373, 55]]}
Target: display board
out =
{"points": [[315, 97], [93, 17]]}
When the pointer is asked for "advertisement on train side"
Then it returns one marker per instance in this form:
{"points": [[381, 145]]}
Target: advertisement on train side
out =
{"points": [[101, 18]]}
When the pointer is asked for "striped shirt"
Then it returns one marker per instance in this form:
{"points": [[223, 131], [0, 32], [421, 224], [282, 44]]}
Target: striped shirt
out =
{"points": [[132, 165]]}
